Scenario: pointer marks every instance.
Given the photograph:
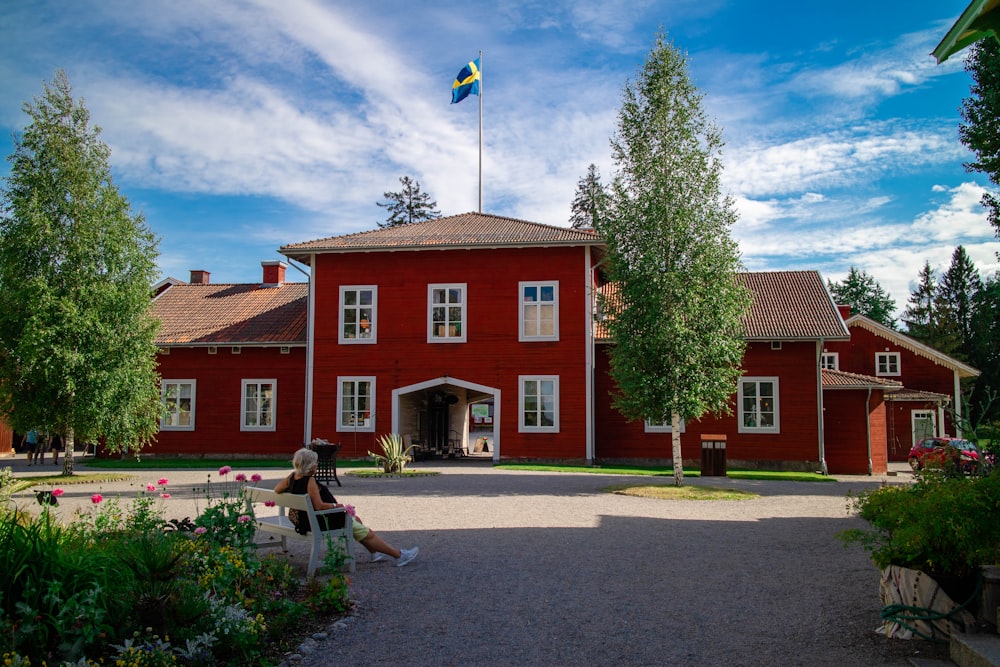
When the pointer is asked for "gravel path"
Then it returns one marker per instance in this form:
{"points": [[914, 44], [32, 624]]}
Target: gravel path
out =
{"points": [[524, 568]]}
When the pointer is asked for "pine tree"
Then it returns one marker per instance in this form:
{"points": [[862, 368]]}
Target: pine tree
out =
{"points": [[959, 286], [865, 296], [77, 350], [409, 205], [590, 200], [981, 112], [676, 321]]}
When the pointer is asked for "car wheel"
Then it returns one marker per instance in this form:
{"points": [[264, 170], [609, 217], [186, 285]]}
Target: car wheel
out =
{"points": [[915, 463]]}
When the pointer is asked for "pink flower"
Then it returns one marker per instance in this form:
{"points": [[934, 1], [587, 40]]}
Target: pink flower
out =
{"points": [[164, 495], [200, 530], [151, 487], [57, 492], [268, 503], [350, 510], [255, 477], [225, 470], [243, 518], [162, 481], [240, 477], [96, 498]]}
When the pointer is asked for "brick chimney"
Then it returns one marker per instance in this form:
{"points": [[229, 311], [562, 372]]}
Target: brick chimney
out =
{"points": [[844, 310], [274, 273], [199, 277]]}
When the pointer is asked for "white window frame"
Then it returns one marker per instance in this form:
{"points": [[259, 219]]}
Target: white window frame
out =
{"points": [[164, 426], [358, 338], [273, 411], [776, 409], [522, 426], [830, 361], [538, 306], [885, 359], [445, 333], [662, 427], [367, 424]]}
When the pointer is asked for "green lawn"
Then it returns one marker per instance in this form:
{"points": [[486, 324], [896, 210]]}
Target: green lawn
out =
{"points": [[667, 471]]}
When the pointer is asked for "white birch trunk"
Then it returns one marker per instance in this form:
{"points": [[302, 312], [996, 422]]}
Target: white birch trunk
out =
{"points": [[675, 437]]}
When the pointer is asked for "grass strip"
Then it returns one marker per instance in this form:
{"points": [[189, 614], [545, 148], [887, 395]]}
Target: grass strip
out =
{"points": [[664, 471], [671, 492]]}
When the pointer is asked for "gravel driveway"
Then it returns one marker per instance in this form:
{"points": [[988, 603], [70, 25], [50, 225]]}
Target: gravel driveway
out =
{"points": [[521, 568]]}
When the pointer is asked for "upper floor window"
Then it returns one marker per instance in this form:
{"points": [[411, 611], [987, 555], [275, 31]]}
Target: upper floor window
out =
{"points": [[178, 405], [539, 403], [887, 363], [355, 399], [830, 361], [446, 313], [357, 313], [539, 316], [257, 405], [758, 405]]}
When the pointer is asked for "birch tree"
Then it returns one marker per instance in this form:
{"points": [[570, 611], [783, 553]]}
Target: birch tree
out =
{"points": [[77, 353], [676, 318]]}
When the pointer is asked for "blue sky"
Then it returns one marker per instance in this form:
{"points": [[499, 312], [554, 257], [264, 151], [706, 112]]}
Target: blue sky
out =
{"points": [[237, 127]]}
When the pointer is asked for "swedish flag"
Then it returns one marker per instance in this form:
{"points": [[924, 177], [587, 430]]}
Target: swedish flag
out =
{"points": [[466, 83]]}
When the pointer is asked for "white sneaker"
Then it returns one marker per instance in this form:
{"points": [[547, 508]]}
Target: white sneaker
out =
{"points": [[406, 555], [378, 555]]}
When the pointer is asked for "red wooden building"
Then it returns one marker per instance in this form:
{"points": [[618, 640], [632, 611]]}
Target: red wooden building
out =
{"points": [[476, 334], [931, 381]]}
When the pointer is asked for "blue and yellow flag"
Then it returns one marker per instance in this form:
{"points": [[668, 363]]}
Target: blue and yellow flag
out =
{"points": [[466, 83]]}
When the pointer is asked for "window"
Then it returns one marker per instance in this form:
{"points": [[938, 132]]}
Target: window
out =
{"points": [[178, 405], [830, 361], [758, 405], [446, 316], [355, 398], [357, 313], [661, 426], [887, 363], [539, 316], [539, 401], [257, 405]]}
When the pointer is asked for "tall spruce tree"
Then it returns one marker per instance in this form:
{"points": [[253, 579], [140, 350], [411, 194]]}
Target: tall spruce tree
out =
{"points": [[409, 205], [981, 112], [77, 352], [920, 313], [956, 297], [676, 315], [865, 296], [590, 200], [984, 403]]}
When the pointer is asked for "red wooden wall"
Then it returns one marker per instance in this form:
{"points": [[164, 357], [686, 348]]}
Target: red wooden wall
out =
{"points": [[492, 355], [847, 415], [217, 400]]}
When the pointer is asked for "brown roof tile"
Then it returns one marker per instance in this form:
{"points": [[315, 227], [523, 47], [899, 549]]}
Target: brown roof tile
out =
{"points": [[842, 380], [456, 231], [785, 305], [241, 314]]}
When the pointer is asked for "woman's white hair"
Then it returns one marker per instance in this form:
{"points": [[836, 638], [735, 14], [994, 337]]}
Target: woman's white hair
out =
{"points": [[304, 461]]}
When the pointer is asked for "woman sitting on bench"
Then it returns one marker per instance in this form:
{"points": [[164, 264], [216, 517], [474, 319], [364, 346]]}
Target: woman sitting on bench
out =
{"points": [[301, 482]]}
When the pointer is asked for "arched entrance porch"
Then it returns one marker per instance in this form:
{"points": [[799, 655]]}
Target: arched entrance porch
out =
{"points": [[439, 415]]}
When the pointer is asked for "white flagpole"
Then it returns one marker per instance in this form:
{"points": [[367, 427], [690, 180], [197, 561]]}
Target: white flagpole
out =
{"points": [[480, 131]]}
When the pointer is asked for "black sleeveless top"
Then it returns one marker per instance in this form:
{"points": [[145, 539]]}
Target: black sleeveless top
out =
{"points": [[300, 487]]}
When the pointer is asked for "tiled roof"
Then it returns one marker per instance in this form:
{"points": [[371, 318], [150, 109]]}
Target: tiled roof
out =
{"points": [[918, 395], [841, 380], [457, 231], [242, 314], [785, 305]]}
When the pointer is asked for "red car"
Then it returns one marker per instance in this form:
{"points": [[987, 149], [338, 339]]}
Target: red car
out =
{"points": [[935, 451]]}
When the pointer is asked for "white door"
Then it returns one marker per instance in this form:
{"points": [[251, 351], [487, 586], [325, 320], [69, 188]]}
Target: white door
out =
{"points": [[924, 424]]}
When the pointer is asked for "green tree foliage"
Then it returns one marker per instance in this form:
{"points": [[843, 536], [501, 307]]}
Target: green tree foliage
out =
{"points": [[590, 200], [676, 316], [956, 296], [865, 296], [981, 112], [985, 352], [921, 313], [77, 353], [409, 205]]}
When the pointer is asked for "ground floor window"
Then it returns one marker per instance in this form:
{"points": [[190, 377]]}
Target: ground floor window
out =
{"points": [[539, 401], [758, 405], [259, 397], [355, 396], [178, 405]]}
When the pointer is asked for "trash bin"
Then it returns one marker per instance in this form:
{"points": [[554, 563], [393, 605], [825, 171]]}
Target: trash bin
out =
{"points": [[326, 466], [713, 455]]}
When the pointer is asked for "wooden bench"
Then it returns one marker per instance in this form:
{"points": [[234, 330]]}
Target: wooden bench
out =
{"points": [[280, 525]]}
